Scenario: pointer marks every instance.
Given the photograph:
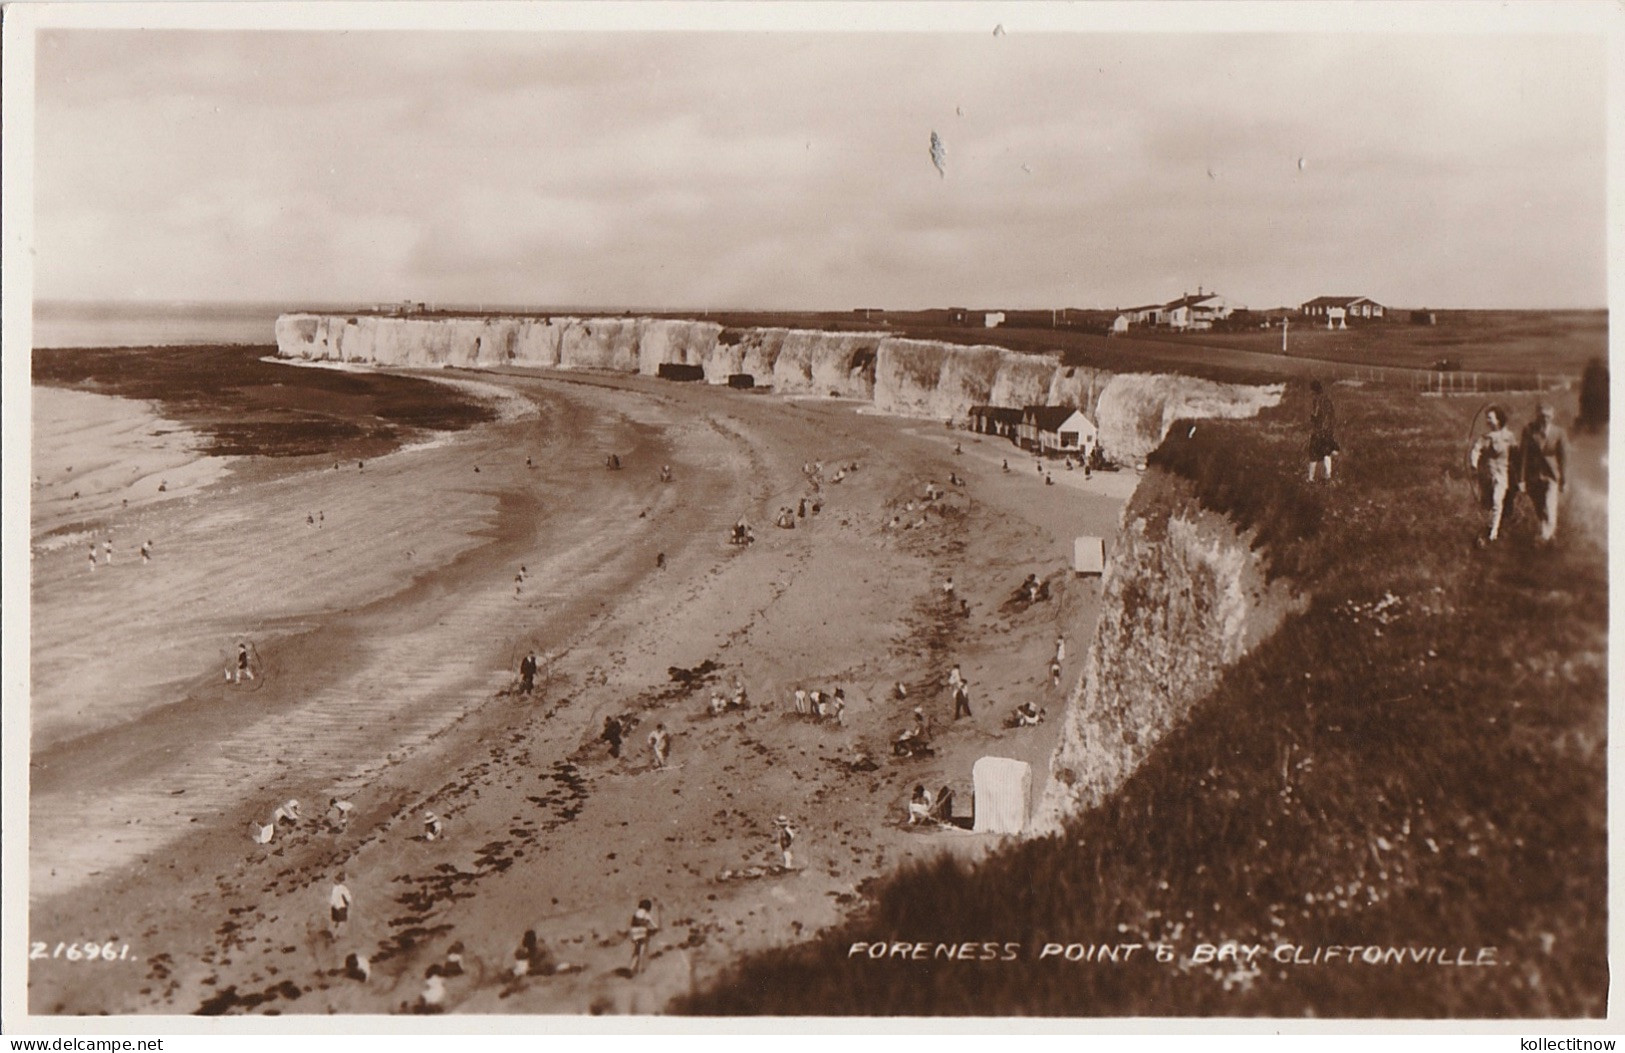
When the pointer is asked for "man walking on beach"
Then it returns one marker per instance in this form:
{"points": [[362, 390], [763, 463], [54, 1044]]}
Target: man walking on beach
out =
{"points": [[962, 699], [527, 673], [1545, 456]]}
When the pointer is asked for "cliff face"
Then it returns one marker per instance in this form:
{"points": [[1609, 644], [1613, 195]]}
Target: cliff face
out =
{"points": [[1183, 598], [919, 378]]}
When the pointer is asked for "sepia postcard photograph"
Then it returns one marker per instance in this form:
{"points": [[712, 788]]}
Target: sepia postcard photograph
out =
{"points": [[925, 512]]}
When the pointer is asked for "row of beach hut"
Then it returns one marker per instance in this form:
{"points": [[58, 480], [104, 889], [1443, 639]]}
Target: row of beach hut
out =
{"points": [[1048, 430]]}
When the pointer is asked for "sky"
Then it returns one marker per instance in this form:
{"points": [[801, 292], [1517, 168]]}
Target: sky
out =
{"points": [[779, 170]]}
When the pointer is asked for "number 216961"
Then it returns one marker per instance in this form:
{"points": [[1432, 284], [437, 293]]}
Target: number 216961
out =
{"points": [[80, 952]]}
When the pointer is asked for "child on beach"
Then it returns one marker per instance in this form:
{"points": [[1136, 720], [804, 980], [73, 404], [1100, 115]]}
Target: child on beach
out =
{"points": [[432, 827], [338, 813], [642, 927], [338, 905], [784, 835], [660, 745]]}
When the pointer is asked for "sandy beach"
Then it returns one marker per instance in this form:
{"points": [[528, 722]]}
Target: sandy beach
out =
{"points": [[387, 605]]}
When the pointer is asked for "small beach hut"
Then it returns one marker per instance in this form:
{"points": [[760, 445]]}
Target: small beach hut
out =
{"points": [[1002, 789], [1088, 555]]}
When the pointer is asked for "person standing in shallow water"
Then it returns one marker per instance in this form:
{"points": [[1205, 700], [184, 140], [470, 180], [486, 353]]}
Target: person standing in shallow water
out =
{"points": [[1322, 430]]}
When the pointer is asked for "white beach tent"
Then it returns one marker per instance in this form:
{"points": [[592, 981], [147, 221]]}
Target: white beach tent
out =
{"points": [[1002, 786]]}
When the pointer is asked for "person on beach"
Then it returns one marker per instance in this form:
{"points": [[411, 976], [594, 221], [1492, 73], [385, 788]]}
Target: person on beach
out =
{"points": [[1544, 457], [955, 677], [433, 997], [1322, 431], [338, 813], [962, 699], [338, 905], [919, 805], [1054, 673], [799, 700], [643, 926], [660, 745], [612, 734], [107, 551], [287, 812], [948, 588], [1060, 648], [533, 958], [527, 673], [784, 835], [1007, 464], [1027, 715], [1491, 461], [433, 827], [665, 473], [357, 967], [146, 552], [244, 670], [900, 691], [92, 557], [310, 519]]}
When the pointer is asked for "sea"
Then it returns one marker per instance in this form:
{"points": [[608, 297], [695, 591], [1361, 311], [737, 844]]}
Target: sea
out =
{"points": [[59, 324]]}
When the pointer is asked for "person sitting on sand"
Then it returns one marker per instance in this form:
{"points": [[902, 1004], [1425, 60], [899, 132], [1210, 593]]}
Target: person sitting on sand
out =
{"points": [[453, 965], [612, 735], [643, 926], [900, 691], [659, 745], [357, 967], [338, 905], [533, 958], [338, 813], [433, 828], [433, 997], [1027, 715], [717, 704], [287, 812], [919, 805], [1007, 464], [740, 700]]}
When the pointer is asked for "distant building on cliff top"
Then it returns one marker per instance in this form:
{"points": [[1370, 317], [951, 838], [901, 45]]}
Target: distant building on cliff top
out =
{"points": [[1191, 311], [1331, 307]]}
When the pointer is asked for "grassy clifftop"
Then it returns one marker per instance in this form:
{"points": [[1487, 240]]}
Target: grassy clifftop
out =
{"points": [[1408, 776]]}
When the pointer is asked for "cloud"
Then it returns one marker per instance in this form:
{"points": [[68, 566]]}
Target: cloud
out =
{"points": [[738, 169]]}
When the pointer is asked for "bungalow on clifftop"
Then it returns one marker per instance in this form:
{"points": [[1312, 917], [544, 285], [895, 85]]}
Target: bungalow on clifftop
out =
{"points": [[1331, 307]]}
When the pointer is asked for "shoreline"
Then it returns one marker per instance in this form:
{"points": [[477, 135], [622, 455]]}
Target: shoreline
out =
{"points": [[618, 625]]}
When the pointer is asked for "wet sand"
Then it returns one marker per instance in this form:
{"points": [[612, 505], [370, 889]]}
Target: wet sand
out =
{"points": [[387, 637]]}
